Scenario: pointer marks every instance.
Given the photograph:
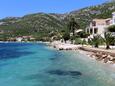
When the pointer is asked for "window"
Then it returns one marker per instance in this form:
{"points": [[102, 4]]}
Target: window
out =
{"points": [[93, 23], [87, 31], [108, 22], [95, 30], [91, 30]]}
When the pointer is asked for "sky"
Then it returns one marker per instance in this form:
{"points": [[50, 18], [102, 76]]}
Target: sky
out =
{"points": [[18, 8]]}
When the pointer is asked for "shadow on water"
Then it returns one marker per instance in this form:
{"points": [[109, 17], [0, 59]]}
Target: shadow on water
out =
{"points": [[52, 78], [62, 73]]}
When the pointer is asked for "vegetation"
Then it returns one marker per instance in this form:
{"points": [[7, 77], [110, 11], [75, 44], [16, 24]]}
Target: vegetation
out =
{"points": [[66, 36], [83, 34], [73, 25], [84, 42], [111, 28], [38, 25], [78, 41], [96, 40], [84, 16], [109, 39], [44, 26]]}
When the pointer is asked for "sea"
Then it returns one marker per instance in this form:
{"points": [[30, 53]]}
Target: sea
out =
{"points": [[36, 64]]}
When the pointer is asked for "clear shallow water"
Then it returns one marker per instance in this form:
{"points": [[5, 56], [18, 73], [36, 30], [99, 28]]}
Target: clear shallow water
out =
{"points": [[36, 65]]}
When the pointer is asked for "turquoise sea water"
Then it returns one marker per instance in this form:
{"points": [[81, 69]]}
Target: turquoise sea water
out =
{"points": [[23, 64]]}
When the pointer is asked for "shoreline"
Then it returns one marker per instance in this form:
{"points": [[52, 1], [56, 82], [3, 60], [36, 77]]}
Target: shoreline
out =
{"points": [[109, 66], [100, 55], [64, 46], [104, 57]]}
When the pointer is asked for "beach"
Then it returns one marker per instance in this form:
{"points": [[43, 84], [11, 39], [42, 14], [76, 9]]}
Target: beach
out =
{"points": [[99, 54]]}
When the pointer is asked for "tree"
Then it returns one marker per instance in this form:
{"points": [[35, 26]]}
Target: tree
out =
{"points": [[111, 28], [84, 42], [83, 34], [73, 25], [66, 36], [108, 39], [96, 40]]}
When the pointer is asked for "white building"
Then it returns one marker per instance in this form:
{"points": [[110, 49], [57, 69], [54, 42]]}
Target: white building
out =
{"points": [[19, 39], [99, 26], [113, 19]]}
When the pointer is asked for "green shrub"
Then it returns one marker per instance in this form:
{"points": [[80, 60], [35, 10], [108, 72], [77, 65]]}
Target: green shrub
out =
{"points": [[109, 40], [111, 28], [78, 41], [84, 42], [96, 41], [83, 34]]}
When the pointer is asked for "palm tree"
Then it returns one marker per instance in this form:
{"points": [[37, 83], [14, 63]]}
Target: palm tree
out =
{"points": [[96, 40], [73, 25], [108, 39]]}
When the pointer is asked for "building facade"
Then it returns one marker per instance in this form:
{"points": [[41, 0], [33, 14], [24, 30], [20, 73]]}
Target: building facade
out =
{"points": [[113, 19], [99, 26]]}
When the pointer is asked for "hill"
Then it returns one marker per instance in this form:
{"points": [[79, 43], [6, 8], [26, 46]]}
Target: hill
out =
{"points": [[43, 24]]}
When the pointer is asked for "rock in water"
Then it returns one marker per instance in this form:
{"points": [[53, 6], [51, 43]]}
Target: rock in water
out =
{"points": [[64, 73]]}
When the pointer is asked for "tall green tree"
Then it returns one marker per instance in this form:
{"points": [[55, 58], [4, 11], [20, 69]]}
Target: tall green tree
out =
{"points": [[73, 25], [66, 36]]}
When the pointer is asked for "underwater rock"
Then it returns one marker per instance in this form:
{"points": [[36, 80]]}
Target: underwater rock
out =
{"points": [[53, 58], [64, 73]]}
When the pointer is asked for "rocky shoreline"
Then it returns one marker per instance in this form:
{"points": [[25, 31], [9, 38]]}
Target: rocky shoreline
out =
{"points": [[106, 57], [64, 46], [99, 55]]}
